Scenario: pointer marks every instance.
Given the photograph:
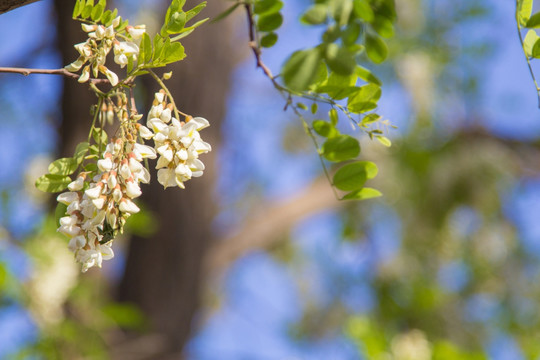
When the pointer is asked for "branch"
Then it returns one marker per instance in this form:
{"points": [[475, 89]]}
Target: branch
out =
{"points": [[255, 48], [64, 72], [266, 228], [8, 5]]}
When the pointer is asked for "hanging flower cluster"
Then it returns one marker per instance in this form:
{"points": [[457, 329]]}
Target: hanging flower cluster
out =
{"points": [[99, 203], [178, 143], [100, 41], [100, 183]]}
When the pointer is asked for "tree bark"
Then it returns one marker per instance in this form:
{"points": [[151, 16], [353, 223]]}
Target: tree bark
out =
{"points": [[163, 274], [76, 98], [8, 5]]}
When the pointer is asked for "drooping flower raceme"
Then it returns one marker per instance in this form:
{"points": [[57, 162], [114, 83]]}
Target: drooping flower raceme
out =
{"points": [[97, 208], [178, 144], [100, 41], [99, 203]]}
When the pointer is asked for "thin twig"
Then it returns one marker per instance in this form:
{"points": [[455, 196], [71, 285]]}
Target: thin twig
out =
{"points": [[526, 56], [169, 95], [64, 72]]}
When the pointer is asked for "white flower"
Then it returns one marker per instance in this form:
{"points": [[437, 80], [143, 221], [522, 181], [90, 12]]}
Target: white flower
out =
{"points": [[159, 97], [123, 50], [67, 198], [136, 31], [166, 115], [166, 152], [116, 21], [145, 132], [128, 206], [77, 184], [201, 122], [167, 177], [94, 192], [132, 189], [145, 151], [85, 74], [68, 226], [76, 243], [105, 164], [113, 78]]}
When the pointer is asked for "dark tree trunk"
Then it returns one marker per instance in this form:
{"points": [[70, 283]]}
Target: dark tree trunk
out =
{"points": [[8, 5], [76, 98], [163, 274]]}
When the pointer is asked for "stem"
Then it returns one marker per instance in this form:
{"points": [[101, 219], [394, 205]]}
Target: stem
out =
{"points": [[64, 72], [524, 52], [309, 131], [162, 84], [98, 110]]}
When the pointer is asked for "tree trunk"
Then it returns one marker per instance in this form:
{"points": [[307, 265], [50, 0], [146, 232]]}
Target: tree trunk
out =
{"points": [[163, 274], [8, 5], [76, 98]]}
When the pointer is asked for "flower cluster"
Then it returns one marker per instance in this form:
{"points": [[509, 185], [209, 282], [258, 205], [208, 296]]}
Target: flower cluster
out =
{"points": [[100, 41], [98, 207], [178, 143], [99, 202]]}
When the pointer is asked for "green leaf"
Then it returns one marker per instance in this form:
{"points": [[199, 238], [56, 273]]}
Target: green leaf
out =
{"points": [[92, 167], [384, 27], [87, 11], [267, 7], [53, 183], [300, 70], [528, 43], [534, 21], [226, 13], [78, 8], [301, 106], [376, 48], [365, 99], [190, 14], [175, 52], [333, 115], [371, 118], [384, 140], [107, 18], [80, 152], [314, 108], [269, 40], [339, 59], [363, 194], [371, 168], [525, 9], [324, 128], [145, 51], [177, 23], [97, 12], [315, 15], [363, 10], [341, 10], [331, 34], [100, 137], [367, 75], [536, 49], [351, 34], [63, 166], [350, 177], [341, 148], [269, 22]]}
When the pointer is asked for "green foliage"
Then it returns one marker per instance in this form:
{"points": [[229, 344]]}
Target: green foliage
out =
{"points": [[340, 148]]}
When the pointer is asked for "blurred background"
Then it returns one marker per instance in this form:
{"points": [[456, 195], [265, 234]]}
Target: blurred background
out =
{"points": [[256, 259]]}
